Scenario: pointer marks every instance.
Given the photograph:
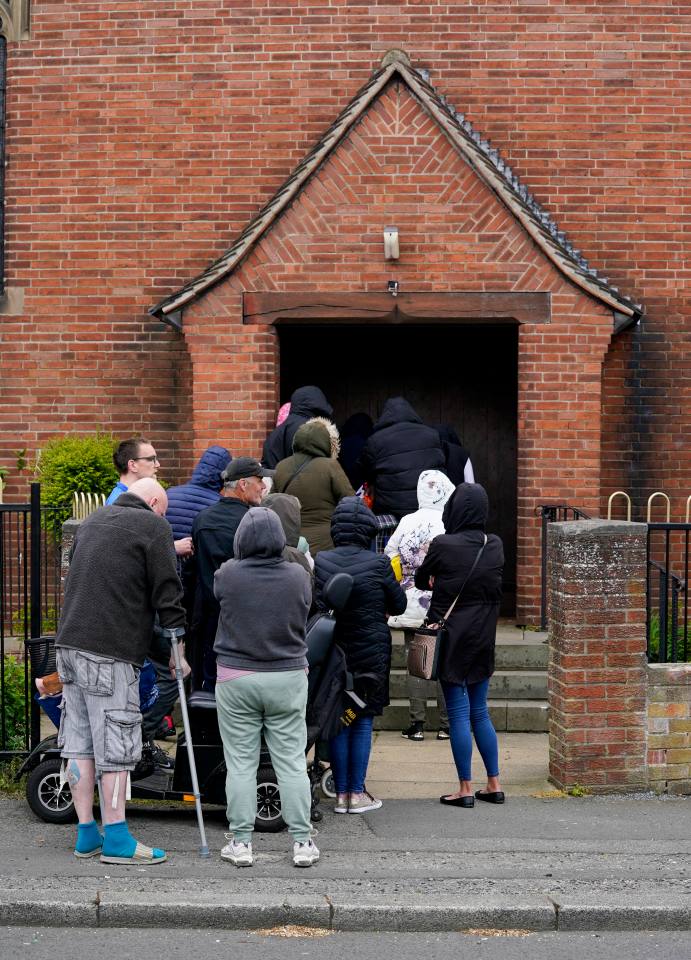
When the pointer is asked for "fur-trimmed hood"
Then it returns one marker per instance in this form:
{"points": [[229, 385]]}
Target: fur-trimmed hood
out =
{"points": [[334, 435]]}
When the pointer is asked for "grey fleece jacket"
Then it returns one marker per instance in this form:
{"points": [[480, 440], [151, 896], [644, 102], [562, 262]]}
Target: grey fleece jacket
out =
{"points": [[122, 572], [264, 600]]}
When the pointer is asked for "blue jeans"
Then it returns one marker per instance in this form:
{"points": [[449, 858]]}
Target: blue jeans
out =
{"points": [[468, 716], [349, 753]]}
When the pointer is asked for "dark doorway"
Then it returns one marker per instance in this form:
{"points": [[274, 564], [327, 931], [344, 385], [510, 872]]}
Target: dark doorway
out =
{"points": [[464, 375]]}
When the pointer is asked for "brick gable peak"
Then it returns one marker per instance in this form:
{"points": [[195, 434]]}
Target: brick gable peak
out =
{"points": [[482, 157]]}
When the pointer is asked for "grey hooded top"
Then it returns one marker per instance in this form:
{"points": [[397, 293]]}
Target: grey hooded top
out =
{"points": [[287, 509], [264, 600]]}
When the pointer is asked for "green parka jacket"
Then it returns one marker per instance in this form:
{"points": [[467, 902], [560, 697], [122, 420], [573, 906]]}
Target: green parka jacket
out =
{"points": [[317, 480]]}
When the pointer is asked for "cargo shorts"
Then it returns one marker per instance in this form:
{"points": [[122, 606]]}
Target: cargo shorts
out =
{"points": [[100, 710]]}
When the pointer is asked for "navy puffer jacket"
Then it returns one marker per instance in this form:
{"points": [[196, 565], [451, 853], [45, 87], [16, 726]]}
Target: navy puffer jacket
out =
{"points": [[203, 490], [361, 629]]}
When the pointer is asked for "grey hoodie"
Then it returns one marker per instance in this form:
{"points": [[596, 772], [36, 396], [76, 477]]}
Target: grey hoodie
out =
{"points": [[287, 509], [264, 600]]}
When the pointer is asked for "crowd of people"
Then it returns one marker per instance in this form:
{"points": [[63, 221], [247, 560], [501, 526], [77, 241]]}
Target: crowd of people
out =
{"points": [[240, 557]]}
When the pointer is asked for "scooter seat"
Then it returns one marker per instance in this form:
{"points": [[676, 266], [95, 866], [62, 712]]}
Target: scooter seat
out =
{"points": [[201, 700]]}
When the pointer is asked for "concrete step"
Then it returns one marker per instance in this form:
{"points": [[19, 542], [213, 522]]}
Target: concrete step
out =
{"points": [[519, 716], [504, 685], [514, 651]]}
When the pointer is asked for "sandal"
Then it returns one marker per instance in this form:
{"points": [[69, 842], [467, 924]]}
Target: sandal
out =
{"points": [[141, 854]]}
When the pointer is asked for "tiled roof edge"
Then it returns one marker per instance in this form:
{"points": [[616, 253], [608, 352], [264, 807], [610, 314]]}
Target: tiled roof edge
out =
{"points": [[478, 152]]}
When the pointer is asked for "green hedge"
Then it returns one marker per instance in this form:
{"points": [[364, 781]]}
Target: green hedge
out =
{"points": [[13, 704], [74, 463]]}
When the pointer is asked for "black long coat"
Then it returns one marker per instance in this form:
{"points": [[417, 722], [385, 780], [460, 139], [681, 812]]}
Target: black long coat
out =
{"points": [[400, 448], [361, 628], [305, 403], [467, 656]]}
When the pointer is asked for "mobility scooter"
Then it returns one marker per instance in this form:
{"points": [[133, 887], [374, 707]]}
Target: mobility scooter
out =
{"points": [[49, 796]]}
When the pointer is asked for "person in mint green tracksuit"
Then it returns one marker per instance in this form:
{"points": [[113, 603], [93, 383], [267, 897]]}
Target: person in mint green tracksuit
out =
{"points": [[261, 685]]}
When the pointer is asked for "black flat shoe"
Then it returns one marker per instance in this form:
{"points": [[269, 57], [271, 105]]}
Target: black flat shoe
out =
{"points": [[466, 802], [496, 796]]}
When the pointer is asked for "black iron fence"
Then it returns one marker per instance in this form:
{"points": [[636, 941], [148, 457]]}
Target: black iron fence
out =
{"points": [[30, 598], [667, 597]]}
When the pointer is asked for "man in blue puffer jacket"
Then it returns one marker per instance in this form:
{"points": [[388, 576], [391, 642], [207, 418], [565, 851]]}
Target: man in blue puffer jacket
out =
{"points": [[203, 490]]}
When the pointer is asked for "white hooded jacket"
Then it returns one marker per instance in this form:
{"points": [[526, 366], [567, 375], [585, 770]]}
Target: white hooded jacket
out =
{"points": [[411, 540]]}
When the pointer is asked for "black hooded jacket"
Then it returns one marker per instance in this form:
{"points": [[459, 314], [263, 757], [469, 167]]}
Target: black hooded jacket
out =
{"points": [[355, 433], [456, 454], [400, 448], [467, 655], [361, 628], [305, 403]]}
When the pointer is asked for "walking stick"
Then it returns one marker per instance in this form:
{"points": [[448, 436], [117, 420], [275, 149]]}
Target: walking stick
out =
{"points": [[175, 634]]}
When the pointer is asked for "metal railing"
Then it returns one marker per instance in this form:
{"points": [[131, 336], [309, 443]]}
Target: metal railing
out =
{"points": [[84, 504], [30, 599], [552, 513], [667, 597], [668, 631]]}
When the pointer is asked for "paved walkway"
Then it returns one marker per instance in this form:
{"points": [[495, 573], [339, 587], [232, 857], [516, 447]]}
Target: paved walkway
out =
{"points": [[405, 770], [402, 769]]}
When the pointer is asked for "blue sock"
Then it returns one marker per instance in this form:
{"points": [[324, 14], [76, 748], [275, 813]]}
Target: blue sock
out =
{"points": [[119, 842], [88, 838]]}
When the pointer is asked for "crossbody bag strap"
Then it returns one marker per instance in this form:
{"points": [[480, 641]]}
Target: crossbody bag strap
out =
{"points": [[296, 472], [472, 570]]}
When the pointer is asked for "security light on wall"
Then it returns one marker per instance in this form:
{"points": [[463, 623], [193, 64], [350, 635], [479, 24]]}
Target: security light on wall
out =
{"points": [[391, 243]]}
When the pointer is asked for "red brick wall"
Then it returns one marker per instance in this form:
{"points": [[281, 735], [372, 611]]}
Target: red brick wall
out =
{"points": [[669, 727], [142, 137], [455, 236]]}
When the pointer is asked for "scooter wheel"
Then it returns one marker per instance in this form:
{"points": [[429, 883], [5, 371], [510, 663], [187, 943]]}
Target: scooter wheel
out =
{"points": [[327, 784], [44, 795], [269, 819]]}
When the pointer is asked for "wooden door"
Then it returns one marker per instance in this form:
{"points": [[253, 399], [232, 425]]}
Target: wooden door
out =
{"points": [[463, 375]]}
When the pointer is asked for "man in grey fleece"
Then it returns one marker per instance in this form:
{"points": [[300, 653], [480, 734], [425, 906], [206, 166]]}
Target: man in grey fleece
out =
{"points": [[261, 684], [121, 573]]}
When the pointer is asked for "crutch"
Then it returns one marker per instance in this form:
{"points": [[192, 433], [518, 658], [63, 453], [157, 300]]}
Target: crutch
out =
{"points": [[174, 634]]}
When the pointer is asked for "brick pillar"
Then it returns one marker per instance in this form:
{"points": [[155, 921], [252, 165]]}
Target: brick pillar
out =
{"points": [[597, 665], [69, 532]]}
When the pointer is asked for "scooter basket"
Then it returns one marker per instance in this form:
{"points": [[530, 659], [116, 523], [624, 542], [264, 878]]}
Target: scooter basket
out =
{"points": [[41, 652]]}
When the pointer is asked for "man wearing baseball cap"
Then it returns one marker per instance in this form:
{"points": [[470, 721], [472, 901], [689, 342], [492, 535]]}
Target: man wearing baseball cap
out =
{"points": [[213, 532]]}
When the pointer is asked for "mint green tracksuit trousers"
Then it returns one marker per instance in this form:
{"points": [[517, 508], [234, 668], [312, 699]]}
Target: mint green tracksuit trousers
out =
{"points": [[273, 704]]}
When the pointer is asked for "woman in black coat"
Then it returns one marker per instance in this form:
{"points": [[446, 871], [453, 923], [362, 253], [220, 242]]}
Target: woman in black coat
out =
{"points": [[467, 655], [363, 633]]}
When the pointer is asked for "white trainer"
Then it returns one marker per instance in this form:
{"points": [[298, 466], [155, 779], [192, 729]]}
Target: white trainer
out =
{"points": [[363, 803], [342, 800], [239, 854], [305, 854]]}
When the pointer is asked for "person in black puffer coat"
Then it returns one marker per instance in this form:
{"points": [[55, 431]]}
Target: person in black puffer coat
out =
{"points": [[467, 653], [400, 448], [363, 633], [305, 403]]}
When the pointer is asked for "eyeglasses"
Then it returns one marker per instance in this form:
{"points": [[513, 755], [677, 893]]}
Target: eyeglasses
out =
{"points": [[153, 459]]}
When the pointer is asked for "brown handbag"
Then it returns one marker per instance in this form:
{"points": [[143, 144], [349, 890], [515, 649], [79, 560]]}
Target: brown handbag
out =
{"points": [[425, 647]]}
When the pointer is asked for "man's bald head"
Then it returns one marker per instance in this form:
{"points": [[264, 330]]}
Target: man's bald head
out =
{"points": [[151, 492]]}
